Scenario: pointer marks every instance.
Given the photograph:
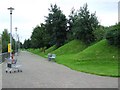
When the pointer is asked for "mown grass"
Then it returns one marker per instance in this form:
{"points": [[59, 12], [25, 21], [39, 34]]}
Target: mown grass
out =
{"points": [[104, 67], [100, 58], [49, 50], [72, 47], [36, 51]]}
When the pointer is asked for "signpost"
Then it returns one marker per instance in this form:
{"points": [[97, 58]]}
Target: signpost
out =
{"points": [[9, 48]]}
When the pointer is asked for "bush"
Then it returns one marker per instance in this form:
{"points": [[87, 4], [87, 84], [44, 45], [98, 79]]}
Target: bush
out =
{"points": [[113, 36], [100, 33]]}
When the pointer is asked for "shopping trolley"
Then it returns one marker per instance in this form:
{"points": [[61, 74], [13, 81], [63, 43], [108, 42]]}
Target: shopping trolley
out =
{"points": [[12, 65]]}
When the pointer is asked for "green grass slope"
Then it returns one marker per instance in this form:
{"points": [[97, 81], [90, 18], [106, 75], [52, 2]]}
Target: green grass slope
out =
{"points": [[36, 51], [100, 50], [50, 49], [72, 47], [100, 59]]}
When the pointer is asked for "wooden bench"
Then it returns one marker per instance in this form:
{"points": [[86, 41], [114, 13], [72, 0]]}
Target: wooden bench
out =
{"points": [[51, 56]]}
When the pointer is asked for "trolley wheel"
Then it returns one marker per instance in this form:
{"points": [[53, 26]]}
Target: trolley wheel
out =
{"points": [[14, 71], [6, 71], [10, 72], [18, 70]]}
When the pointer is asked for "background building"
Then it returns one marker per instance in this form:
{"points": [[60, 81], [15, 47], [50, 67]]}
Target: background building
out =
{"points": [[119, 11]]}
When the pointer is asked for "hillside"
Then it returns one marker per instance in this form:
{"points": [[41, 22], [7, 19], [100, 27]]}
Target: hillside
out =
{"points": [[100, 58], [99, 50], [50, 49], [72, 47]]}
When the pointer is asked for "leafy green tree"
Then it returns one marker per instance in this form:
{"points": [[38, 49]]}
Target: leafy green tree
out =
{"points": [[39, 38], [113, 35], [36, 37], [21, 45], [45, 36], [27, 44], [71, 20], [56, 25], [0, 44], [100, 33], [84, 25], [5, 40]]}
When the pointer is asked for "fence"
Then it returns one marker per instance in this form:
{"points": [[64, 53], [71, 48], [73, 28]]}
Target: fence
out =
{"points": [[3, 56]]}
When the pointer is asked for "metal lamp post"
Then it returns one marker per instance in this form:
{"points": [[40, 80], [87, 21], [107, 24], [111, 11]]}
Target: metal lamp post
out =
{"points": [[11, 9], [16, 40]]}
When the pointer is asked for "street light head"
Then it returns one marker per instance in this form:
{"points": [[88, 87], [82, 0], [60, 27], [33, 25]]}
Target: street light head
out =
{"points": [[10, 9]]}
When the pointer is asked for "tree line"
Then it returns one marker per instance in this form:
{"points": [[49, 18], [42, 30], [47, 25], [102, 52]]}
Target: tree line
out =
{"points": [[58, 29], [80, 24], [6, 40]]}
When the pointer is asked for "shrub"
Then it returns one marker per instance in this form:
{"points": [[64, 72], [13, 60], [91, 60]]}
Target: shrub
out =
{"points": [[113, 35]]}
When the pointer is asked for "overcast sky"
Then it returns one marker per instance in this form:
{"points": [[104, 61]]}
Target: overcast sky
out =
{"points": [[29, 13]]}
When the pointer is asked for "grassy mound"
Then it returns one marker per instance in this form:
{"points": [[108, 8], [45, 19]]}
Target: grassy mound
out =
{"points": [[50, 49], [100, 58], [72, 47]]}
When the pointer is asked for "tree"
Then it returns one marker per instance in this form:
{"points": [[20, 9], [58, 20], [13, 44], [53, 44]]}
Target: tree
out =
{"points": [[0, 44], [36, 37], [71, 21], [100, 33], [84, 25], [56, 25], [39, 37], [27, 44], [5, 40], [113, 35], [45, 37], [21, 45]]}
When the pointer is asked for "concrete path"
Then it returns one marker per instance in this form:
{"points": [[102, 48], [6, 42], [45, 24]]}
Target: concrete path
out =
{"points": [[40, 73]]}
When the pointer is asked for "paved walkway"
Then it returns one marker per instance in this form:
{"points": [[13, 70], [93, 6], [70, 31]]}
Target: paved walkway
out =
{"points": [[40, 73]]}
